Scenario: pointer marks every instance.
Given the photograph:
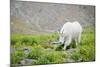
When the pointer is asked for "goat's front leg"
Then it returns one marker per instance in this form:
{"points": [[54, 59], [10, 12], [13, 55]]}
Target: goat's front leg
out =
{"points": [[67, 43]]}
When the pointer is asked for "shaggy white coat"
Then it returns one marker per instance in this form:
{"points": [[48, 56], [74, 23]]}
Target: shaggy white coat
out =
{"points": [[70, 31]]}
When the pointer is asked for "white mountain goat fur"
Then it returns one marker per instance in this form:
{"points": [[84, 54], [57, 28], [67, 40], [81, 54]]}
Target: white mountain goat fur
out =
{"points": [[70, 31]]}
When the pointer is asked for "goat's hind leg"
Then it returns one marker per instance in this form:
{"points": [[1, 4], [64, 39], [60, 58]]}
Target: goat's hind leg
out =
{"points": [[77, 40]]}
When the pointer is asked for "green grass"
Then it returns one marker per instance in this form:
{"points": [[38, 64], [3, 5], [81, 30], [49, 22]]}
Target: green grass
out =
{"points": [[33, 39], [43, 56], [16, 56], [85, 53], [43, 51]]}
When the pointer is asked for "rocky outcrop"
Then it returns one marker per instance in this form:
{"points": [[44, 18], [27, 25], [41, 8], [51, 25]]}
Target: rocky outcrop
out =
{"points": [[33, 17]]}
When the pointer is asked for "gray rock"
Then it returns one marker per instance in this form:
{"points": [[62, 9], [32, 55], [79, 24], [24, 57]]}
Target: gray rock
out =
{"points": [[26, 50], [27, 61], [34, 17]]}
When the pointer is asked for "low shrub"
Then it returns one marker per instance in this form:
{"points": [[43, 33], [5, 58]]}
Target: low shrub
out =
{"points": [[16, 56], [36, 52], [44, 56], [76, 56], [87, 53]]}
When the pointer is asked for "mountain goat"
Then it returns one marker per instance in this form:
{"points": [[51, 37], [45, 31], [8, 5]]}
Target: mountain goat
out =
{"points": [[70, 31]]}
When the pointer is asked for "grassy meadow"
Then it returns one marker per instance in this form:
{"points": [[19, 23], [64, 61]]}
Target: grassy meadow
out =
{"points": [[42, 51]]}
